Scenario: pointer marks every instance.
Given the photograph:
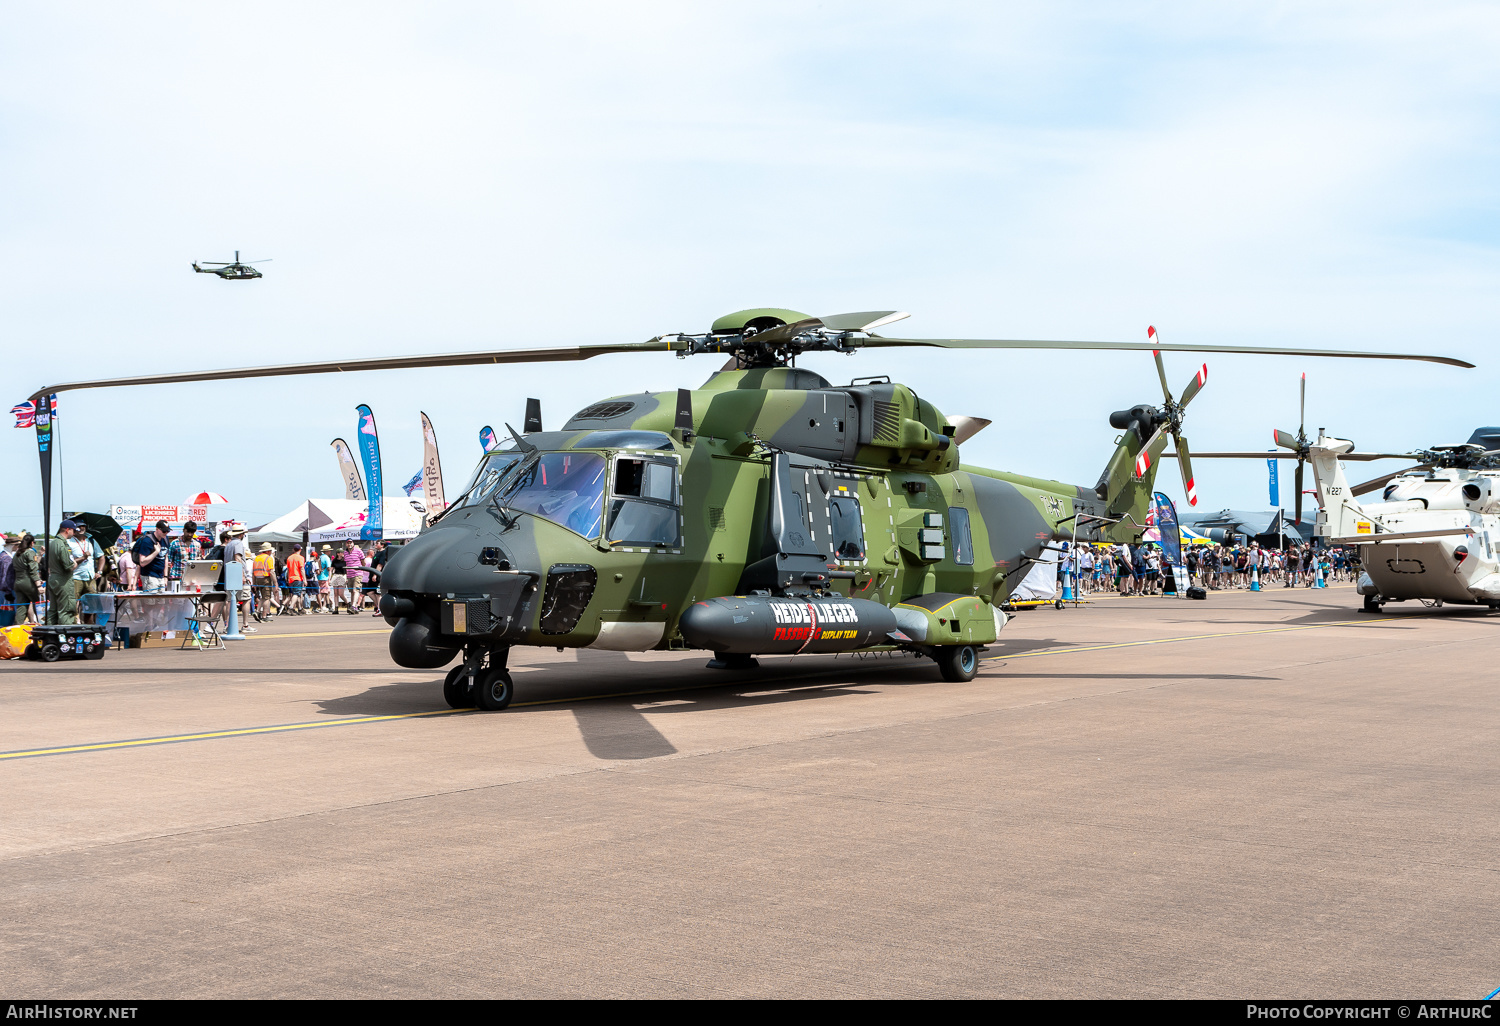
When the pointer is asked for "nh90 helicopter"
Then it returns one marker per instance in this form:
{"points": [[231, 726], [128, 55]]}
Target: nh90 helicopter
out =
{"points": [[231, 271], [765, 512]]}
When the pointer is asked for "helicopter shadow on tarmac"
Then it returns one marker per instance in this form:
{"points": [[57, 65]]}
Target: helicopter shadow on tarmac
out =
{"points": [[617, 728]]}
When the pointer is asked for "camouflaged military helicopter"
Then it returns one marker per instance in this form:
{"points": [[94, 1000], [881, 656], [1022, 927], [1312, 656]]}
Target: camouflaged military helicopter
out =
{"points": [[231, 270], [767, 511]]}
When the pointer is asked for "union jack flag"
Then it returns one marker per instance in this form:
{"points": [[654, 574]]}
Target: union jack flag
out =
{"points": [[414, 483], [25, 413]]}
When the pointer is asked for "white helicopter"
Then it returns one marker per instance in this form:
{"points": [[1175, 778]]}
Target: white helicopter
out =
{"points": [[1433, 534]]}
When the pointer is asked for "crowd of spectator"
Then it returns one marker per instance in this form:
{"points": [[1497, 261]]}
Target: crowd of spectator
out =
{"points": [[1139, 570], [330, 578]]}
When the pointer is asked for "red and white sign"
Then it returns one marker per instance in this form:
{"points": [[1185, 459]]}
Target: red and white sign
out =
{"points": [[151, 514]]}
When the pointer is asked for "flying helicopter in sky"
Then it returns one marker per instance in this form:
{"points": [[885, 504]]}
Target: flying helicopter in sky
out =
{"points": [[767, 511], [231, 271]]}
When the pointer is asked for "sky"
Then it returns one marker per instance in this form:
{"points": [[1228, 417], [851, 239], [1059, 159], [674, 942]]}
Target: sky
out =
{"points": [[451, 176]]}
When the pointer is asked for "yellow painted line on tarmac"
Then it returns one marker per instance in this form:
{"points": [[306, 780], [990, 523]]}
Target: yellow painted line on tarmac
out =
{"points": [[141, 742], [1196, 637]]}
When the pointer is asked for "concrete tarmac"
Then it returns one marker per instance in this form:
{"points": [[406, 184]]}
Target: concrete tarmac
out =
{"points": [[1263, 795]]}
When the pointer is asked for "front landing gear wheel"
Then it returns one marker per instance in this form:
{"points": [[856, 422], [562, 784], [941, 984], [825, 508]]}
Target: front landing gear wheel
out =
{"points": [[493, 690], [958, 663], [456, 691], [1372, 603]]}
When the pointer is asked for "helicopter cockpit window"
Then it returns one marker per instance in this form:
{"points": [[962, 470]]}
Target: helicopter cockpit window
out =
{"points": [[566, 488], [643, 503], [847, 530], [490, 471]]}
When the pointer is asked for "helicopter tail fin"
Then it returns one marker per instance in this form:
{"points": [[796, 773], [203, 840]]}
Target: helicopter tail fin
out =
{"points": [[1343, 516], [1129, 477]]}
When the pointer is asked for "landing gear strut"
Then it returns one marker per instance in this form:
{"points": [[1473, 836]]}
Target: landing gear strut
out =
{"points": [[1372, 603], [480, 680]]}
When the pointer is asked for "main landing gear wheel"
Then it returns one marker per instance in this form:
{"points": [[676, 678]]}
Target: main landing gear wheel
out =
{"points": [[493, 690], [1372, 603], [958, 663], [456, 690]]}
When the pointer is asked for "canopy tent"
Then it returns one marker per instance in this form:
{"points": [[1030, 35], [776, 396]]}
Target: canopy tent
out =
{"points": [[1040, 581], [331, 520]]}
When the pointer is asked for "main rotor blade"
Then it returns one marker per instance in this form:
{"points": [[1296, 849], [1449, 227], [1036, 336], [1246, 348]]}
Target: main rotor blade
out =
{"points": [[1362, 457], [1194, 387], [967, 427], [879, 341], [1302, 410], [1161, 374], [867, 321], [565, 354], [1185, 461]]}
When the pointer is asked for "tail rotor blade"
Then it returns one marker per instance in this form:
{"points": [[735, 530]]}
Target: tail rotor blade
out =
{"points": [[1185, 461], [1297, 479], [1147, 457], [1194, 387], [1161, 370], [1286, 441]]}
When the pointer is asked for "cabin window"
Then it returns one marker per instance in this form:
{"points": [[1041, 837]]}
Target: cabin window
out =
{"points": [[643, 503], [846, 528], [963, 541]]}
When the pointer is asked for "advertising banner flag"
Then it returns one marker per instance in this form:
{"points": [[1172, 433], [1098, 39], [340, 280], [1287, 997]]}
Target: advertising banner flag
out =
{"points": [[369, 450], [432, 470], [1275, 485], [1166, 523], [354, 486], [43, 422], [487, 438]]}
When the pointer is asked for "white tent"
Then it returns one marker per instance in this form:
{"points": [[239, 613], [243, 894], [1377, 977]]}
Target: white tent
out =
{"points": [[332, 520], [1040, 581]]}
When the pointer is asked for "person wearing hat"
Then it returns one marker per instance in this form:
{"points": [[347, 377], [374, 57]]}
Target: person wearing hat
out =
{"points": [[238, 549], [150, 552], [263, 576], [62, 596], [91, 559]]}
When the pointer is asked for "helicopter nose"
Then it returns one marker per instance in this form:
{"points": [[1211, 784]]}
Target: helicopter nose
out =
{"points": [[445, 562]]}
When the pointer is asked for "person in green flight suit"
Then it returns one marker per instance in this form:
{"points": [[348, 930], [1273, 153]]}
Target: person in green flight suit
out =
{"points": [[62, 590]]}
